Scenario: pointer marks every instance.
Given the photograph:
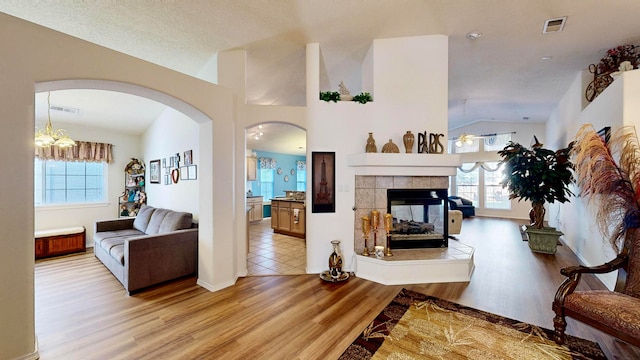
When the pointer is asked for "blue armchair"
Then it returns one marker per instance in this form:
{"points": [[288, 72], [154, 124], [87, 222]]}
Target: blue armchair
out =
{"points": [[462, 204]]}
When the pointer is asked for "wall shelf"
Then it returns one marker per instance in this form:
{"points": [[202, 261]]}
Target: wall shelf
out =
{"points": [[403, 164]]}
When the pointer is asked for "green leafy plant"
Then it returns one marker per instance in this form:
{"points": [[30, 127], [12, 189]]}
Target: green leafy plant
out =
{"points": [[538, 175], [330, 96], [363, 98]]}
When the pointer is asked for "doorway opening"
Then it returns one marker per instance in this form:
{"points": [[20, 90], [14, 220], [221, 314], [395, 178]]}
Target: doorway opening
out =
{"points": [[276, 199]]}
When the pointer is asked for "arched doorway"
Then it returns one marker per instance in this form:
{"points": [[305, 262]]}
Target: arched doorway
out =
{"points": [[278, 152]]}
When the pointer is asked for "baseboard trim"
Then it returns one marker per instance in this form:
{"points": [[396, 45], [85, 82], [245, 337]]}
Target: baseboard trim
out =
{"points": [[214, 288], [31, 356]]}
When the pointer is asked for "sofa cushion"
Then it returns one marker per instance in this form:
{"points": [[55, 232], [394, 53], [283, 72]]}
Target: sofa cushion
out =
{"points": [[142, 219], [175, 221], [98, 237], [156, 221], [117, 252]]}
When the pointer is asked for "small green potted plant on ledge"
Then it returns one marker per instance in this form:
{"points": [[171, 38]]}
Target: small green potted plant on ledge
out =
{"points": [[330, 96], [538, 175]]}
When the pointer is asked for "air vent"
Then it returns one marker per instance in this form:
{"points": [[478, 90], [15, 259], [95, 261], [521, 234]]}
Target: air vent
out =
{"points": [[554, 25], [69, 110]]}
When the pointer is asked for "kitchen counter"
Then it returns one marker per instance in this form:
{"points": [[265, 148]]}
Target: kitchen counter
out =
{"points": [[288, 217], [289, 199]]}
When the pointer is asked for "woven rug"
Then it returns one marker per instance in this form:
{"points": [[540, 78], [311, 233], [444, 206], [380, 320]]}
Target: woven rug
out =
{"points": [[418, 326]]}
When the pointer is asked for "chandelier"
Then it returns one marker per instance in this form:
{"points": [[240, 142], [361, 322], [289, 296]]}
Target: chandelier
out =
{"points": [[47, 137]]}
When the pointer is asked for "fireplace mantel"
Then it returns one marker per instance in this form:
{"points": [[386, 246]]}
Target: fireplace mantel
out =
{"points": [[403, 164]]}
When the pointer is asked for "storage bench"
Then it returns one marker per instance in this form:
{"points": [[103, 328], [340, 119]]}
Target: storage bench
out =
{"points": [[60, 241]]}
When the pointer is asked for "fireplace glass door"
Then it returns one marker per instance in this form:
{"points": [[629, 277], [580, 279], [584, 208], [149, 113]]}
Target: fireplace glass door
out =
{"points": [[420, 218]]}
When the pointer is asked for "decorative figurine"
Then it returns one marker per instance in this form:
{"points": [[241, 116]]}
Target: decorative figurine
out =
{"points": [[371, 144]]}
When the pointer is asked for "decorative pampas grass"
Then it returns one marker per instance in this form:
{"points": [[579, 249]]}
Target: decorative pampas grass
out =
{"points": [[615, 184]]}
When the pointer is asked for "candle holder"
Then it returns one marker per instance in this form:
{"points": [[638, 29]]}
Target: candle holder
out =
{"points": [[375, 222], [388, 225], [366, 227]]}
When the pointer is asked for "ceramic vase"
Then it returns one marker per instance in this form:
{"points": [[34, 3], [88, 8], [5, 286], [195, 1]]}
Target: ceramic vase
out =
{"points": [[408, 140], [335, 261], [371, 144], [390, 147]]}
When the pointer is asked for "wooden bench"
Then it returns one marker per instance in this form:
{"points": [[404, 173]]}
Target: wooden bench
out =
{"points": [[62, 241]]}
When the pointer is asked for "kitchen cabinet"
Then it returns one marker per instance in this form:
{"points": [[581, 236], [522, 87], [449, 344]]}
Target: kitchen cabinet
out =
{"points": [[297, 218], [274, 214], [252, 168], [288, 217], [254, 204]]}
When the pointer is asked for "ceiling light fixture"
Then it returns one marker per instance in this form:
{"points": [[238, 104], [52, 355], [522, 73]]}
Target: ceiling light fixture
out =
{"points": [[474, 35], [47, 137], [256, 134], [469, 138]]}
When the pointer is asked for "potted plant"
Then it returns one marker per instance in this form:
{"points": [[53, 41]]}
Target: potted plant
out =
{"points": [[330, 96], [538, 175]]}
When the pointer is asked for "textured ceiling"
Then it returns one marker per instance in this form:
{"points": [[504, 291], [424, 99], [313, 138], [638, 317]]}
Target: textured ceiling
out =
{"points": [[501, 74]]}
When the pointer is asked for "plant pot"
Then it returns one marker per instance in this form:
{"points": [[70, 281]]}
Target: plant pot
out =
{"points": [[543, 240]]}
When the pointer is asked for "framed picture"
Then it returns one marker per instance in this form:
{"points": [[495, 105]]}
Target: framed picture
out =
{"points": [[188, 159], [193, 172], [323, 177], [154, 171], [605, 134]]}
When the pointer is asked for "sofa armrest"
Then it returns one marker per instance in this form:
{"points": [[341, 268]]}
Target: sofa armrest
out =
{"points": [[152, 259], [113, 224]]}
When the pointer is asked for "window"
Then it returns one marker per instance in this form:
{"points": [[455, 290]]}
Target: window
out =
{"points": [[266, 183], [63, 182], [301, 180], [467, 183], [496, 142], [495, 197]]}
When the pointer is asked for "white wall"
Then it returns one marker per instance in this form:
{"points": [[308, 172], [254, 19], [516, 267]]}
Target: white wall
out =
{"points": [[615, 107], [125, 146], [42, 56], [410, 93], [523, 134], [173, 132]]}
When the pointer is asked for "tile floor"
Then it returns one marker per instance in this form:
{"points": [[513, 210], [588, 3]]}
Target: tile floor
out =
{"points": [[274, 254]]}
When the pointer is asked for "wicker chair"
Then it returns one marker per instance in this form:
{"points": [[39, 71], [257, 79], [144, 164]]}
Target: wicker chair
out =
{"points": [[617, 312]]}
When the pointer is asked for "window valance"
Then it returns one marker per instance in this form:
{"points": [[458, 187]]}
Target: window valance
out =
{"points": [[302, 165], [478, 164], [83, 151], [267, 163]]}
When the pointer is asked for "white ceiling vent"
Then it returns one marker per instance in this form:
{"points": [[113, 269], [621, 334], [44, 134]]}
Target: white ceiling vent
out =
{"points": [[66, 109], [554, 25]]}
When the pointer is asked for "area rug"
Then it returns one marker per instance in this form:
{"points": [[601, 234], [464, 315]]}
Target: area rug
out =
{"points": [[418, 326]]}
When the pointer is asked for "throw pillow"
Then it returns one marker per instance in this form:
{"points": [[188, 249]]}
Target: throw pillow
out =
{"points": [[458, 202]]}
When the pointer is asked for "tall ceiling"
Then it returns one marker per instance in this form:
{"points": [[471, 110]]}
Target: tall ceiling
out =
{"points": [[501, 75]]}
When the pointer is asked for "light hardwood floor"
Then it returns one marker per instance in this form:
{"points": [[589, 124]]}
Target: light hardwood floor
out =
{"points": [[82, 312]]}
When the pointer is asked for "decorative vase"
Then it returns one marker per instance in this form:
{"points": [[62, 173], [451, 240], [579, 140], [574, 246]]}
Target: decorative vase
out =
{"points": [[390, 147], [335, 260], [371, 144], [408, 140]]}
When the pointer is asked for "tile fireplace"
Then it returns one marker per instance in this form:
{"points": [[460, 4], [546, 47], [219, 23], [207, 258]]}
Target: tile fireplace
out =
{"points": [[413, 188]]}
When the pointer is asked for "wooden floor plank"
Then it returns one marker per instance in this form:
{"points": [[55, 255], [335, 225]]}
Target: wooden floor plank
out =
{"points": [[82, 311]]}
